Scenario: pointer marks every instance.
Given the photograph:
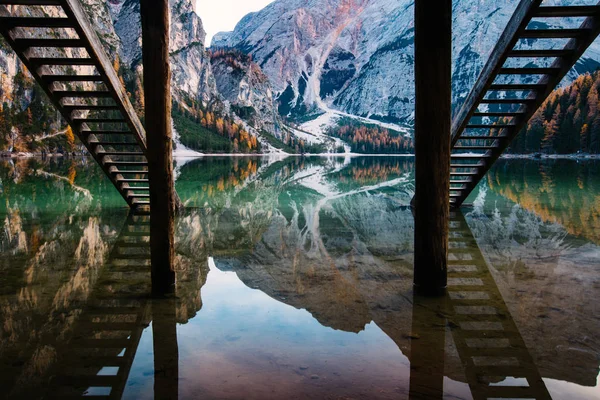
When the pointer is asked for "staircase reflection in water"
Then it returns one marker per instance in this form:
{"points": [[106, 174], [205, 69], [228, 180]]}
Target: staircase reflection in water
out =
{"points": [[97, 360], [494, 356]]}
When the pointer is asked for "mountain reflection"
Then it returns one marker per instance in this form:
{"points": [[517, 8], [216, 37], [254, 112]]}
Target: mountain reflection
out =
{"points": [[294, 280]]}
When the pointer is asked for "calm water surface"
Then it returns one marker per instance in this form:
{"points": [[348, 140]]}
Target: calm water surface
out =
{"points": [[294, 281]]}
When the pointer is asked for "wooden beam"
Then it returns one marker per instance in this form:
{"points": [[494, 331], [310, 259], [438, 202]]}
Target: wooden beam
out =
{"points": [[157, 88], [433, 59]]}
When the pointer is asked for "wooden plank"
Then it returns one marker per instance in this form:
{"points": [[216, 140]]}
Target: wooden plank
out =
{"points": [[39, 61], [553, 33], [481, 137], [82, 93], [36, 22], [460, 147], [497, 114], [54, 43], [538, 53], [30, 2], [507, 101], [99, 120], [48, 79], [528, 71], [120, 153], [516, 87], [566, 11], [488, 126]]}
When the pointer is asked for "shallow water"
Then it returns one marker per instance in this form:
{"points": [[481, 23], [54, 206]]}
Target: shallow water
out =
{"points": [[294, 280]]}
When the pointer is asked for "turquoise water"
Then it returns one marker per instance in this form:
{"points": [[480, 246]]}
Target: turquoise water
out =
{"points": [[294, 280]]}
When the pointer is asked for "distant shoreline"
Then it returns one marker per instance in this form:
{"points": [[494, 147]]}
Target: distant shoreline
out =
{"points": [[23, 155]]}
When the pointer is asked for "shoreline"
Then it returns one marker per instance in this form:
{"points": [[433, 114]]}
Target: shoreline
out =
{"points": [[24, 155]]}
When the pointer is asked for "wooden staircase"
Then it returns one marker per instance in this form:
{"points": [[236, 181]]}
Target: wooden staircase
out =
{"points": [[56, 42], [509, 90], [496, 361]]}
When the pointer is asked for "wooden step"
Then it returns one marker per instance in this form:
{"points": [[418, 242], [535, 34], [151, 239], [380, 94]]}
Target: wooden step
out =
{"points": [[497, 114], [82, 93], [488, 126], [510, 392], [58, 43], [507, 101], [77, 360], [86, 381], [125, 180], [48, 79], [126, 163], [35, 22], [516, 87], [99, 120], [102, 132], [120, 153], [96, 311], [90, 108], [460, 147], [101, 343], [37, 61], [137, 189], [566, 11], [133, 245], [529, 71], [471, 173], [97, 143], [470, 156], [132, 172], [467, 165], [461, 181], [30, 2], [482, 137], [553, 33], [108, 326], [539, 53]]}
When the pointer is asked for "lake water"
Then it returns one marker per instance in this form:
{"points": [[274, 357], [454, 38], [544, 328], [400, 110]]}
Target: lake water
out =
{"points": [[294, 280]]}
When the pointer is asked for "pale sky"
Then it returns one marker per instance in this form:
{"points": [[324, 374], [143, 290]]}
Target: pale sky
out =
{"points": [[223, 15]]}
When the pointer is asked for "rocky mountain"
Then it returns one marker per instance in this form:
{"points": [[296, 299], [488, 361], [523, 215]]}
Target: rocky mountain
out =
{"points": [[246, 98], [356, 56]]}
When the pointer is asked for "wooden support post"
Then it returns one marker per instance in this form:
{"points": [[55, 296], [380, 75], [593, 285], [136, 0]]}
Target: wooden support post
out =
{"points": [[433, 57], [157, 88]]}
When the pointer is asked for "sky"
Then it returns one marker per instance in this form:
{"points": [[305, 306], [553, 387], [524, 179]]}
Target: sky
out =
{"points": [[223, 15]]}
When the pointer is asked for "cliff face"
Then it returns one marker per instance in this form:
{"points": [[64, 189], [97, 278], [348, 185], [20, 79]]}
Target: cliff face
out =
{"points": [[243, 84], [117, 24], [357, 55]]}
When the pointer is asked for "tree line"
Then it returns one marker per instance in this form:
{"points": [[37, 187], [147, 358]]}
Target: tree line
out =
{"points": [[371, 139], [567, 122]]}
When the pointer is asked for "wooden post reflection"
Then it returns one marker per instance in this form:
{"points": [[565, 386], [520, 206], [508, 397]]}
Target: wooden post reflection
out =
{"points": [[427, 348], [166, 349]]}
